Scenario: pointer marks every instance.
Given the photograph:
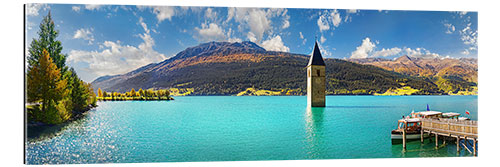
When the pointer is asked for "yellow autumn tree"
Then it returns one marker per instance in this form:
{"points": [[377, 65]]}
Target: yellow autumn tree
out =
{"points": [[99, 92], [132, 92], [141, 92], [45, 86], [53, 90], [92, 100]]}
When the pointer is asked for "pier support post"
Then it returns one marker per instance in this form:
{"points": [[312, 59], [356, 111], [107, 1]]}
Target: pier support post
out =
{"points": [[404, 136], [474, 147], [421, 136], [437, 144], [458, 144]]}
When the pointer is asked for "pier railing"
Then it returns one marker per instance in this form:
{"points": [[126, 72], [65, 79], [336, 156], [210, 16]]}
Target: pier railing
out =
{"points": [[451, 127]]}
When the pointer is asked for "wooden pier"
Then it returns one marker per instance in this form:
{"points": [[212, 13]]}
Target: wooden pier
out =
{"points": [[465, 130]]}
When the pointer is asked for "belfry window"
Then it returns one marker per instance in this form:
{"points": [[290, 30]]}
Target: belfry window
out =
{"points": [[317, 72]]}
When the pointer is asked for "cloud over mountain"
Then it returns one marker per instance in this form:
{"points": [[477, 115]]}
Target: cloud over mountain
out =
{"points": [[116, 58], [367, 49]]}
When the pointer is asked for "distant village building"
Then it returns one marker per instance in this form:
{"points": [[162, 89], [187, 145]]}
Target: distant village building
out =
{"points": [[316, 82]]}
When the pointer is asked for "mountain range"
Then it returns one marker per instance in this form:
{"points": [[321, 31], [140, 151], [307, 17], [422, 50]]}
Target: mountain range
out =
{"points": [[245, 68], [464, 68]]}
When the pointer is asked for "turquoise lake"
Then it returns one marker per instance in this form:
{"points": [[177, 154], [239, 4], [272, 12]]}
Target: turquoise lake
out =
{"points": [[232, 128]]}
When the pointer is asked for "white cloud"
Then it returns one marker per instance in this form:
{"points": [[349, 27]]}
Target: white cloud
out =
{"points": [[125, 7], [210, 13], [232, 39], [76, 8], [164, 12], [85, 34], [466, 52], [93, 7], [230, 13], [168, 12], [421, 53], [328, 18], [144, 25], [275, 44], [258, 22], [32, 9], [29, 25], [275, 12], [387, 52], [183, 10], [367, 50], [450, 28], [251, 37], [349, 12], [255, 19], [352, 11], [211, 32], [303, 39], [286, 24], [115, 58], [324, 49], [286, 20], [469, 37], [335, 17], [323, 23], [364, 49], [322, 39]]}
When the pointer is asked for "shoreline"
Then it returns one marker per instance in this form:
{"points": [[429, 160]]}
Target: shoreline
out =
{"points": [[36, 130], [136, 99], [332, 95]]}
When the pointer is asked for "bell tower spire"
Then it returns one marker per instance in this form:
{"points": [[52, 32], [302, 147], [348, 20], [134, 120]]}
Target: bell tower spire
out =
{"points": [[316, 81]]}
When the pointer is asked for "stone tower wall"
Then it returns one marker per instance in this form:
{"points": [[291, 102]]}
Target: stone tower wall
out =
{"points": [[316, 86]]}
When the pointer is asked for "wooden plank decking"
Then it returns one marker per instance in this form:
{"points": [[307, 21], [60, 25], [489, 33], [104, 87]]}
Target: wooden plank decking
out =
{"points": [[465, 130], [451, 127]]}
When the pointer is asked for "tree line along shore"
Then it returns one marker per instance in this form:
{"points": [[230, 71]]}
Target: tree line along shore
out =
{"points": [[149, 94]]}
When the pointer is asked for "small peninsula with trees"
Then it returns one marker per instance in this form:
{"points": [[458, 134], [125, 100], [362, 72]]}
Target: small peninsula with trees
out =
{"points": [[149, 94]]}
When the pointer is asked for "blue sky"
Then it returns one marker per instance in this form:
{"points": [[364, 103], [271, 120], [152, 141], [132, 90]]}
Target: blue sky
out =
{"points": [[108, 39]]}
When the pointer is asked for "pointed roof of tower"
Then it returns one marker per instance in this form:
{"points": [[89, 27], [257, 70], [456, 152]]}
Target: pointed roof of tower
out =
{"points": [[316, 58]]}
